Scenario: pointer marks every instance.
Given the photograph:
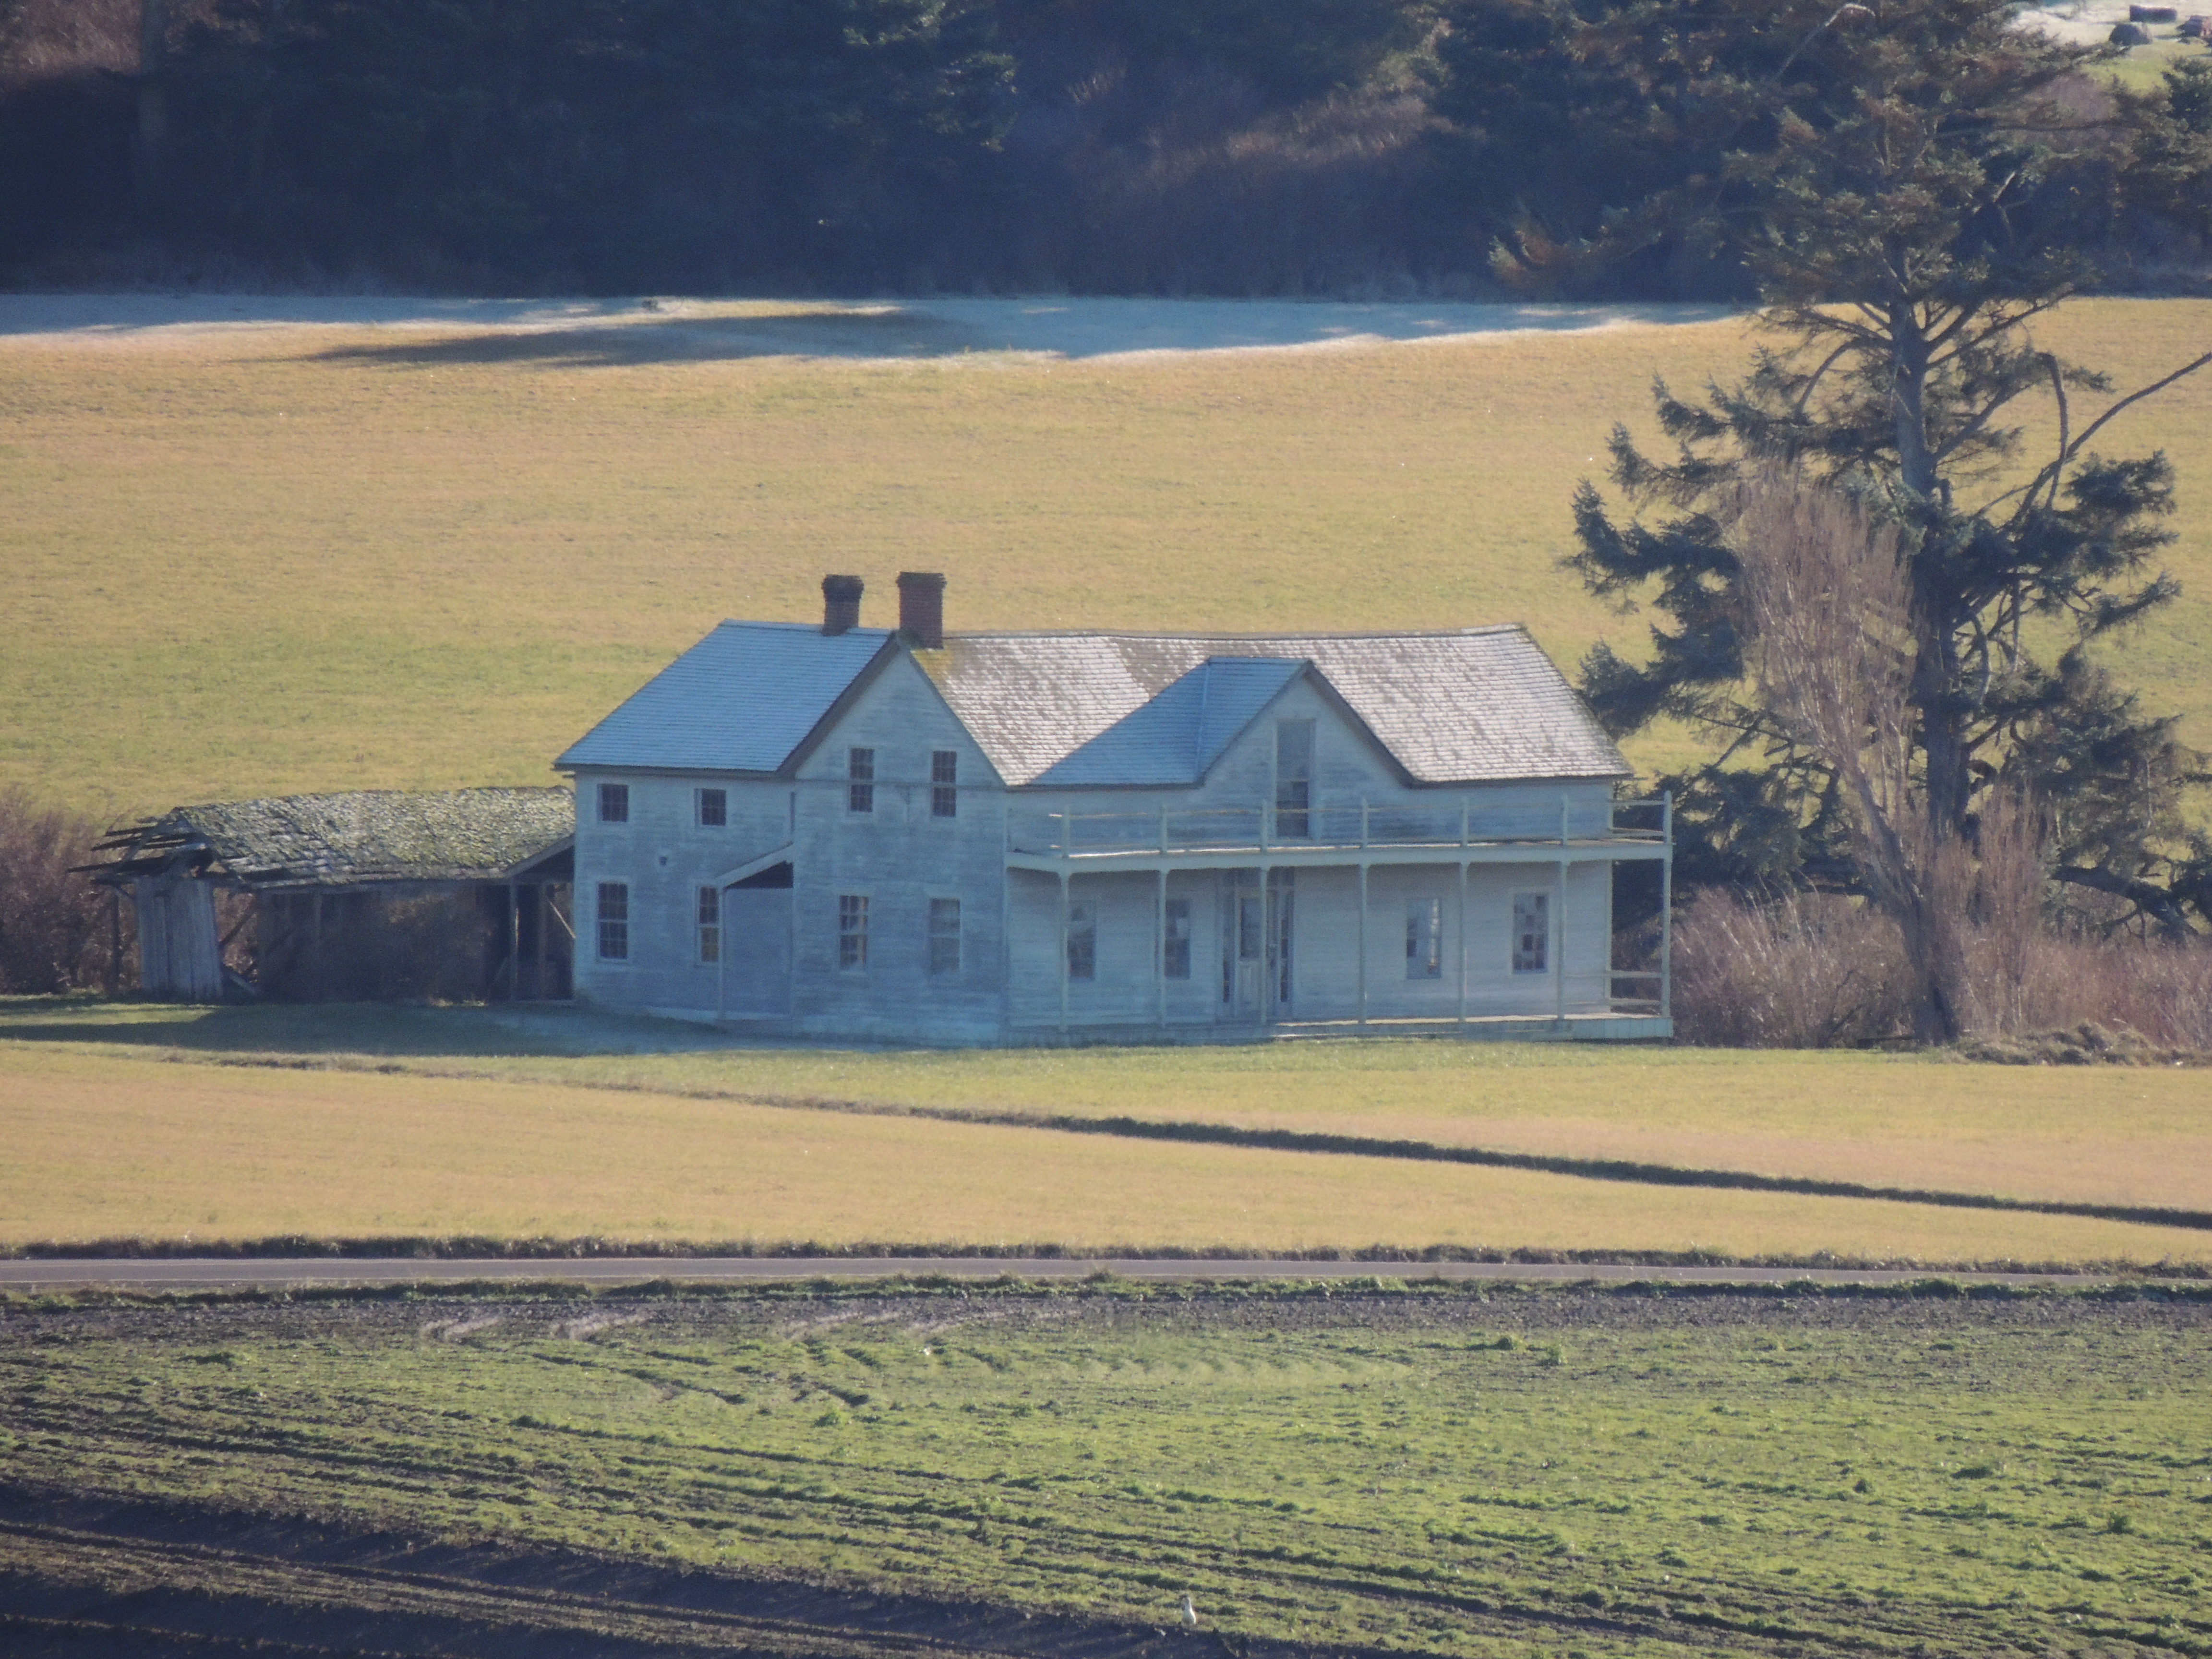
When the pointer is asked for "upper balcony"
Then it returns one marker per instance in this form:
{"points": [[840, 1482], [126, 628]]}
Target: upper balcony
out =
{"points": [[1460, 830]]}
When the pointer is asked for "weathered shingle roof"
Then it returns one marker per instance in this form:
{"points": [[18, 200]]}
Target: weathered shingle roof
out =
{"points": [[1175, 737], [740, 701], [1477, 705], [370, 835]]}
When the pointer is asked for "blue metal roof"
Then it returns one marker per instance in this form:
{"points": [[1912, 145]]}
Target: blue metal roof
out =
{"points": [[1176, 737], [740, 701]]}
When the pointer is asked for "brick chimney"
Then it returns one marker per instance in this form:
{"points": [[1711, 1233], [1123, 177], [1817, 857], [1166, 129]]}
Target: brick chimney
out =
{"points": [[921, 608], [840, 604]]}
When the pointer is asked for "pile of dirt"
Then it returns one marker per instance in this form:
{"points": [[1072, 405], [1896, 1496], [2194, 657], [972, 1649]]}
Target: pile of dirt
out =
{"points": [[2085, 1044]]}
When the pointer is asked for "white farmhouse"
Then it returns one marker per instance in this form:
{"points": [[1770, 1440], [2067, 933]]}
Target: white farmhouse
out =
{"points": [[856, 833]]}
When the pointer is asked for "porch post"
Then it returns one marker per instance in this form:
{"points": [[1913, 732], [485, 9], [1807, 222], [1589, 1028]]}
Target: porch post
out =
{"points": [[1269, 941], [1160, 936], [722, 953], [1462, 938], [1667, 905], [1063, 947], [514, 941], [1363, 933], [1560, 979]]}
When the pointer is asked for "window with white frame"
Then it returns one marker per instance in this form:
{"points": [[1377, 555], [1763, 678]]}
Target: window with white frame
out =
{"points": [[614, 920], [860, 775], [1532, 932], [1174, 954], [852, 932], [1294, 759], [1425, 938], [943, 936], [710, 924], [944, 783], [614, 803], [1083, 938], [713, 808]]}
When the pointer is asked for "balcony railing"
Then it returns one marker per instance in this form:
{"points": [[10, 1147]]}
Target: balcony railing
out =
{"points": [[1260, 828]]}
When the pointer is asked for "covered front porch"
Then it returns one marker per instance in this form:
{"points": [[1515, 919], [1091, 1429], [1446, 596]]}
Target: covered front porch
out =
{"points": [[1460, 918]]}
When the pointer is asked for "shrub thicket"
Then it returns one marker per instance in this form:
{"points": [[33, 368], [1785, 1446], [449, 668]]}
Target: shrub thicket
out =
{"points": [[1820, 971], [58, 931]]}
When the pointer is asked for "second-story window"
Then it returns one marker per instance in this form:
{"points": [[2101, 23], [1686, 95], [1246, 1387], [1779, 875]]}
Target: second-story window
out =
{"points": [[860, 771], [944, 783], [1294, 751], [713, 808], [614, 803]]}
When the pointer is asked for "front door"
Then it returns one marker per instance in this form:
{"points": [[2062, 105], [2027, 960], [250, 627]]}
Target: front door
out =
{"points": [[1243, 946], [1255, 944]]}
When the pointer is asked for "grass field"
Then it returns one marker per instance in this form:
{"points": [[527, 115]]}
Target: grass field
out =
{"points": [[245, 564], [158, 1122], [1422, 1469]]}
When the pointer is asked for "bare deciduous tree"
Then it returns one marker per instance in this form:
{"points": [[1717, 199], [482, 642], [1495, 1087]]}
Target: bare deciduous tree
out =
{"points": [[1833, 638]]}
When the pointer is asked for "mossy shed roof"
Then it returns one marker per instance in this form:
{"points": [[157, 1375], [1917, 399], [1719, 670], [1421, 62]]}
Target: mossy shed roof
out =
{"points": [[361, 837]]}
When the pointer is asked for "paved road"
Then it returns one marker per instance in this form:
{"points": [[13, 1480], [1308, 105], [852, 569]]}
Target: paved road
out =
{"points": [[282, 1274]]}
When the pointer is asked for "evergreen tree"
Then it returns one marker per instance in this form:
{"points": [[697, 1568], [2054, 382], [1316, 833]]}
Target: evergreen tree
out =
{"points": [[1909, 184]]}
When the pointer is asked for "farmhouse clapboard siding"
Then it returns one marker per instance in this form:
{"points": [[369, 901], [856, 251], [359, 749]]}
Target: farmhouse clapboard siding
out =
{"points": [[907, 834]]}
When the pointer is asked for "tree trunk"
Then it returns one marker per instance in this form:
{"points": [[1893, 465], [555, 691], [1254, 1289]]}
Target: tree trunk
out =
{"points": [[1935, 667]]}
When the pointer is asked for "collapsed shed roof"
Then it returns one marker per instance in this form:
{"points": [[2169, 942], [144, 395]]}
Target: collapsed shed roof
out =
{"points": [[357, 838]]}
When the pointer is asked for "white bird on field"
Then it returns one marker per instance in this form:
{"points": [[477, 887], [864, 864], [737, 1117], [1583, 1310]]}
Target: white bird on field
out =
{"points": [[1189, 1613]]}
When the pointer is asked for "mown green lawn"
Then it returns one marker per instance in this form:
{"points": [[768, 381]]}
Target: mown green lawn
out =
{"points": [[1459, 1471]]}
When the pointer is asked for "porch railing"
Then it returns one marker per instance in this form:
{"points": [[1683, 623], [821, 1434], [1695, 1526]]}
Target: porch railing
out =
{"points": [[1261, 828]]}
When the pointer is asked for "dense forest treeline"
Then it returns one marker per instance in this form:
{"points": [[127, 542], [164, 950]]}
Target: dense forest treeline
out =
{"points": [[1134, 146]]}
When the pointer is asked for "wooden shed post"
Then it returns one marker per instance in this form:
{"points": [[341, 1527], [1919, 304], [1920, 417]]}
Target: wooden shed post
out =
{"points": [[541, 901]]}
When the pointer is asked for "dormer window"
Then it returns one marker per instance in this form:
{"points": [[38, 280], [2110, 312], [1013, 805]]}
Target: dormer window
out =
{"points": [[1294, 752]]}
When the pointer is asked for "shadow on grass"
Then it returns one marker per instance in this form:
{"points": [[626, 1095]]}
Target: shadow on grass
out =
{"points": [[527, 1030], [889, 333], [923, 331]]}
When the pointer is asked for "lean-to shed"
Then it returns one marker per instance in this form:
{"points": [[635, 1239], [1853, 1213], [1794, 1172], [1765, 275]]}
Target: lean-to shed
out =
{"points": [[371, 893]]}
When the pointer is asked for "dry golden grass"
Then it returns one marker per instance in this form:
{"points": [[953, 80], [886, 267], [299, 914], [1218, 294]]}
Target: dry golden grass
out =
{"points": [[249, 564], [106, 1146], [2136, 1136]]}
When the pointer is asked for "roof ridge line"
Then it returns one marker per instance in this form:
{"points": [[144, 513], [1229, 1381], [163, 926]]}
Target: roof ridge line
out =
{"points": [[1475, 631]]}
